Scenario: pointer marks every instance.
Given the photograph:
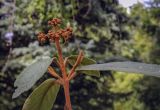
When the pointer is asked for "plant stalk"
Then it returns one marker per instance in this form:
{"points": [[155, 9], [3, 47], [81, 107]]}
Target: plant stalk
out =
{"points": [[67, 95], [68, 105], [61, 61]]}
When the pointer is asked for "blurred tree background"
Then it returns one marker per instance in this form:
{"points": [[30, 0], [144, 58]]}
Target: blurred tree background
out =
{"points": [[104, 30]]}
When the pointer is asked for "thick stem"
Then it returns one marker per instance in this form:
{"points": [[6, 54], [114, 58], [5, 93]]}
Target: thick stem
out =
{"points": [[61, 61], [68, 105], [67, 95]]}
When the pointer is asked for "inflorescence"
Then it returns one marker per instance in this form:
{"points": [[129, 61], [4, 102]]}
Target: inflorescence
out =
{"points": [[56, 32]]}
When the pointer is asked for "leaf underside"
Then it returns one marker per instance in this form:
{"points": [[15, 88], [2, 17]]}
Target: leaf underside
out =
{"points": [[131, 67], [43, 97], [30, 75], [86, 61]]}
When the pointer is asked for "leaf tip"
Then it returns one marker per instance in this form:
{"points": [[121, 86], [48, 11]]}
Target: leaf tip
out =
{"points": [[14, 95]]}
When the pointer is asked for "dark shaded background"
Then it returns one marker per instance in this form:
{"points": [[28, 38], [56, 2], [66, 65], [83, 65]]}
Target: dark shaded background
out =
{"points": [[104, 30]]}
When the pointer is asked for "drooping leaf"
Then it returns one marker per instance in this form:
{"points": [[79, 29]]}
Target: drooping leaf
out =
{"points": [[132, 67], [43, 97], [86, 61], [30, 75]]}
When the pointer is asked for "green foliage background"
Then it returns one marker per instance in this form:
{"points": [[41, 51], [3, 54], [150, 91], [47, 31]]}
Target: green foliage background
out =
{"points": [[105, 31]]}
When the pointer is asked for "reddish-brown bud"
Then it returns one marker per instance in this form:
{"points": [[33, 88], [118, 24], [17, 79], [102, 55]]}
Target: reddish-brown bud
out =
{"points": [[58, 21], [69, 29], [59, 32], [54, 21], [57, 35], [43, 40], [42, 37]]}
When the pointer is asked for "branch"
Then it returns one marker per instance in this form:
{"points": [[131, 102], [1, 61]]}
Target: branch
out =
{"points": [[53, 73], [78, 61], [65, 61]]}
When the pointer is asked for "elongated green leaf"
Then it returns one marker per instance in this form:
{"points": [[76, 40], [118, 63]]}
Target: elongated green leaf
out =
{"points": [[30, 75], [43, 97], [132, 67], [86, 61]]}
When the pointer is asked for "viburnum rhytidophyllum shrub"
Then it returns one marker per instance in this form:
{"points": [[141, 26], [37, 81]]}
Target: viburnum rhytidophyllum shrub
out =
{"points": [[44, 96]]}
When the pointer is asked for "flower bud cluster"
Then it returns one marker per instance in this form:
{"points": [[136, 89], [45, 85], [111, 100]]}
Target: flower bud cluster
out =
{"points": [[54, 22], [55, 34], [66, 33], [42, 37]]}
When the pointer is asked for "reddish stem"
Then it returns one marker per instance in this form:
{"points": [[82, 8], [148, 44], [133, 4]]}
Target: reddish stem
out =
{"points": [[53, 73], [78, 61], [65, 78], [67, 95], [60, 57]]}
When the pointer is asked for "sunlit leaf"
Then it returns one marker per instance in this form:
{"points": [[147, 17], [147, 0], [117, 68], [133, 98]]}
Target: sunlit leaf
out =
{"points": [[30, 75], [43, 97], [132, 67], [86, 61]]}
